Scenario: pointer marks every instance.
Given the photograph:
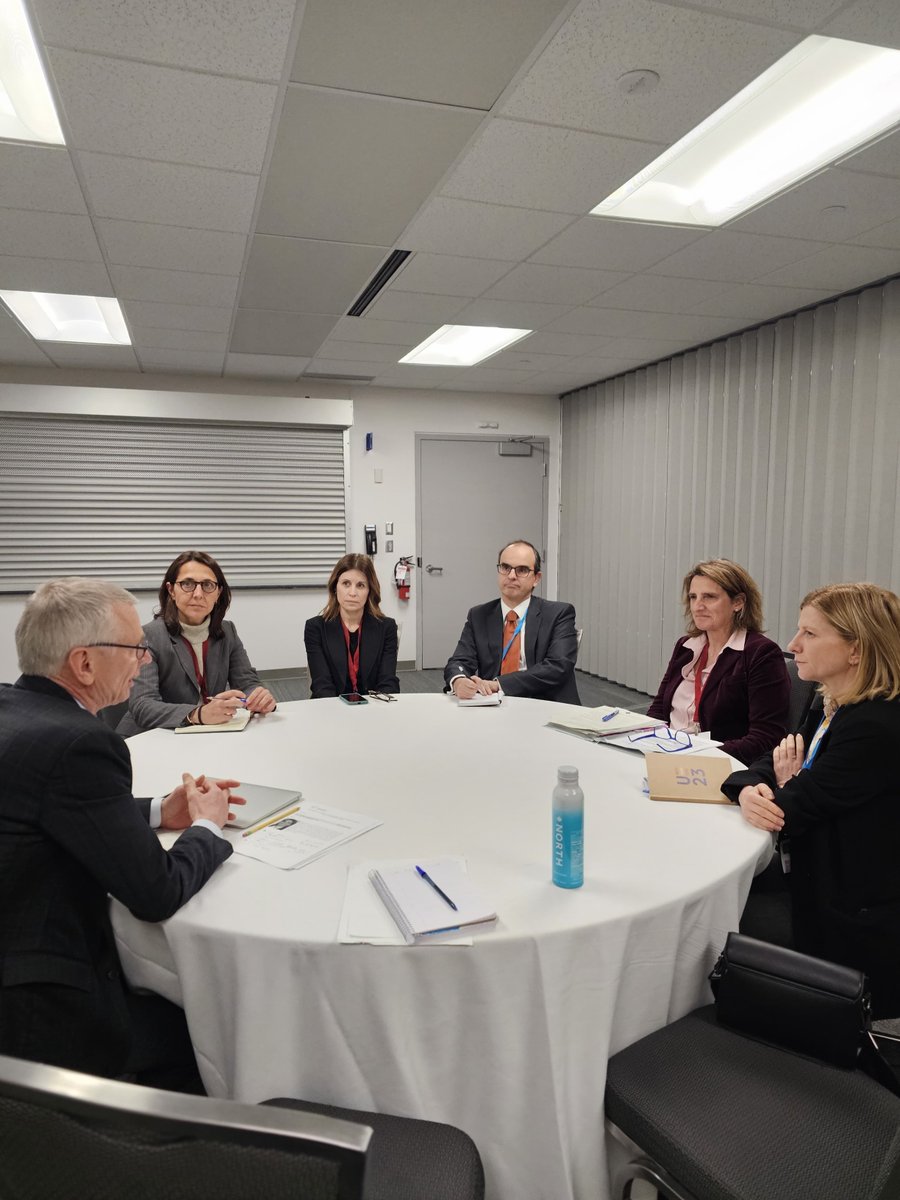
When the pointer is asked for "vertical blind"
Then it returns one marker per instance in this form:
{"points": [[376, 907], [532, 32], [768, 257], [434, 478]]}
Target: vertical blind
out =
{"points": [[777, 448], [120, 498]]}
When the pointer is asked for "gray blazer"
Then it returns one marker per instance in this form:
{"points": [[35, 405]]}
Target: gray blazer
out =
{"points": [[166, 689]]}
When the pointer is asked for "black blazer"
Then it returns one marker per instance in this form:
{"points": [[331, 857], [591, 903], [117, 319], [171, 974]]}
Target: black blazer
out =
{"points": [[842, 824], [71, 833], [745, 701], [551, 648], [326, 655]]}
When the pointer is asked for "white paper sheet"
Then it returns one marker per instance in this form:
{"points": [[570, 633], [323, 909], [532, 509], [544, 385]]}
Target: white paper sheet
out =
{"points": [[305, 836]]}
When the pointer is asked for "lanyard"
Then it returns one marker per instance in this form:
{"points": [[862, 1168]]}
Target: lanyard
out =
{"points": [[698, 680], [817, 739], [521, 622], [201, 675], [352, 659]]}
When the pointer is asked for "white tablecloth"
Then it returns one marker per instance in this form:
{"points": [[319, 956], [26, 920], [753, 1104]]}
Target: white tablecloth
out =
{"points": [[507, 1038]]}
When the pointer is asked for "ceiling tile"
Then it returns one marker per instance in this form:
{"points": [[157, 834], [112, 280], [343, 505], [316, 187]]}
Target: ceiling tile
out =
{"points": [[393, 333], [733, 256], [873, 21], [107, 358], [392, 155], [168, 194], [495, 231], [883, 157], [264, 366], [47, 235], [802, 14], [363, 352], [509, 314], [195, 362], [838, 269], [179, 339], [572, 345], [227, 37], [614, 245], [447, 275], [137, 244], [345, 368], [39, 178], [832, 207], [464, 53], [757, 302], [416, 375], [553, 285], [156, 112], [174, 287], [659, 293], [492, 379], [521, 358], [603, 366], [54, 275], [299, 275], [16, 346], [616, 322], [415, 306], [285, 334], [887, 235], [538, 166], [144, 314], [702, 60]]}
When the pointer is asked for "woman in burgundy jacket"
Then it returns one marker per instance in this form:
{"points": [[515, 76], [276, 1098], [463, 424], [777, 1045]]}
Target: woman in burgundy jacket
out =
{"points": [[725, 677]]}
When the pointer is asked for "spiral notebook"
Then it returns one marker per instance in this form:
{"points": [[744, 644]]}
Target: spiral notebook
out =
{"points": [[420, 913]]}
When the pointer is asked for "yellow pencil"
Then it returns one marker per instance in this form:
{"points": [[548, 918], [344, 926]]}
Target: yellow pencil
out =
{"points": [[273, 821]]}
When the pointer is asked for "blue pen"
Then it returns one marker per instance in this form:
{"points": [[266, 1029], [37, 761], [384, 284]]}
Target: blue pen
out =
{"points": [[443, 895], [609, 716]]}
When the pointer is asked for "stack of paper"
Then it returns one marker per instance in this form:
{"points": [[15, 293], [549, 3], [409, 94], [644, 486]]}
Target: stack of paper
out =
{"points": [[664, 740], [239, 721], [304, 837], [431, 899], [598, 724], [481, 701]]}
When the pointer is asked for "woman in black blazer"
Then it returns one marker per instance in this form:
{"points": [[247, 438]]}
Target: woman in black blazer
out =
{"points": [[832, 793], [352, 646]]}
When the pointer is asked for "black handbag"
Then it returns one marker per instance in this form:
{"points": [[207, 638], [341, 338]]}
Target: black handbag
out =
{"points": [[793, 1000]]}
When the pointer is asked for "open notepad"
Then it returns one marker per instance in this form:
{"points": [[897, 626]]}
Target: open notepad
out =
{"points": [[419, 912], [239, 721]]}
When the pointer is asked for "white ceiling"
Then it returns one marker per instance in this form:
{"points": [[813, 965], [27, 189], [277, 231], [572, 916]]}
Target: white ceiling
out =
{"points": [[236, 172]]}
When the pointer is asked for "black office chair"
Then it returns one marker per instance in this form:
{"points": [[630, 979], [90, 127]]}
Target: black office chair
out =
{"points": [[708, 1114], [803, 692], [64, 1134]]}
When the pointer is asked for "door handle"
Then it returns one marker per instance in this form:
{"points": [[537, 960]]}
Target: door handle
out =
{"points": [[434, 570]]}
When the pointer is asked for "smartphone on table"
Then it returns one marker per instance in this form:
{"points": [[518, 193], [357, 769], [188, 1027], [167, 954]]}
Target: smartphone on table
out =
{"points": [[353, 698]]}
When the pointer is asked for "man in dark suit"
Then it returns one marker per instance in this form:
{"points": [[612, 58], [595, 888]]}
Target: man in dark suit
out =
{"points": [[71, 833], [519, 645]]}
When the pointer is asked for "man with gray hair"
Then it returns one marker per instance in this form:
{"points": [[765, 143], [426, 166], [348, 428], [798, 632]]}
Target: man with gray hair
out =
{"points": [[71, 834]]}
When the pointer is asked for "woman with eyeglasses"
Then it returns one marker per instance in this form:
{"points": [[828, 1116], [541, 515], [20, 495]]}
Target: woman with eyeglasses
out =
{"points": [[351, 647], [831, 793], [725, 677], [198, 672]]}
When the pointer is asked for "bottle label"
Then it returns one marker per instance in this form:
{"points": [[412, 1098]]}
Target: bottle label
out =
{"points": [[568, 849]]}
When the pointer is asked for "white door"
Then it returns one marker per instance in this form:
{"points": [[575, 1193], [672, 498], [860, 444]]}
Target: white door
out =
{"points": [[471, 501]]}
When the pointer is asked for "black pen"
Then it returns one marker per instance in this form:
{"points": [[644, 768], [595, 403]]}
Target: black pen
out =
{"points": [[443, 895]]}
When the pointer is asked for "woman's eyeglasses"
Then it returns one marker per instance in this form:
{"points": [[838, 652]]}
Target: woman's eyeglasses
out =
{"points": [[190, 585]]}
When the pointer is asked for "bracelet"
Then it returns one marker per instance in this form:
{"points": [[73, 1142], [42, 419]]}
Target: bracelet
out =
{"points": [[199, 710]]}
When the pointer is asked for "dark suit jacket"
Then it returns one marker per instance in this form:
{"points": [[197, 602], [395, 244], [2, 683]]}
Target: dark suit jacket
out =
{"points": [[166, 689], [551, 648], [842, 823], [70, 833], [326, 655], [745, 701]]}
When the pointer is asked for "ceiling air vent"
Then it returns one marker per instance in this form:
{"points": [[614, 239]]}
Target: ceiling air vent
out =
{"points": [[379, 280]]}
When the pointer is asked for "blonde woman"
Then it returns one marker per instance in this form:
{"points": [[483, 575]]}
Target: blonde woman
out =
{"points": [[832, 791]]}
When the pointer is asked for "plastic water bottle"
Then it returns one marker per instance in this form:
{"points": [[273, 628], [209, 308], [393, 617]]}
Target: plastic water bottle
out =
{"points": [[568, 829]]}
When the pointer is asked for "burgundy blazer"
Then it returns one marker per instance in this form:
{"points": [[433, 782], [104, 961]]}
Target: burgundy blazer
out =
{"points": [[745, 701]]}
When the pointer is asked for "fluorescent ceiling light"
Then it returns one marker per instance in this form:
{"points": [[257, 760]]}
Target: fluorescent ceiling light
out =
{"points": [[27, 111], [55, 317], [824, 99], [463, 345]]}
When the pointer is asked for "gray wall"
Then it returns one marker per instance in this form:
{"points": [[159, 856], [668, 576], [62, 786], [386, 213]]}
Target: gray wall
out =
{"points": [[777, 448]]}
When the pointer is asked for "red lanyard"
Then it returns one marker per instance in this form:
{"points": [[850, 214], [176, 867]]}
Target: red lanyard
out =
{"points": [[352, 659], [698, 680], [201, 675]]}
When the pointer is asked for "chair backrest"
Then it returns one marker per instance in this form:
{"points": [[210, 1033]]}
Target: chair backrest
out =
{"points": [[65, 1134], [803, 693]]}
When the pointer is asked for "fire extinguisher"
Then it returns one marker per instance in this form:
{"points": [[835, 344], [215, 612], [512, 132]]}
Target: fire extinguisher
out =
{"points": [[403, 576]]}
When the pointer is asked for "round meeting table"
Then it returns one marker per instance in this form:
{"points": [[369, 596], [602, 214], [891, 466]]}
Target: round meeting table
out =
{"points": [[506, 1038]]}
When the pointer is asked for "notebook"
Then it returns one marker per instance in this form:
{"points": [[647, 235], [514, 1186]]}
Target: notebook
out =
{"points": [[596, 724], [262, 802], [420, 913], [239, 721], [695, 778]]}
